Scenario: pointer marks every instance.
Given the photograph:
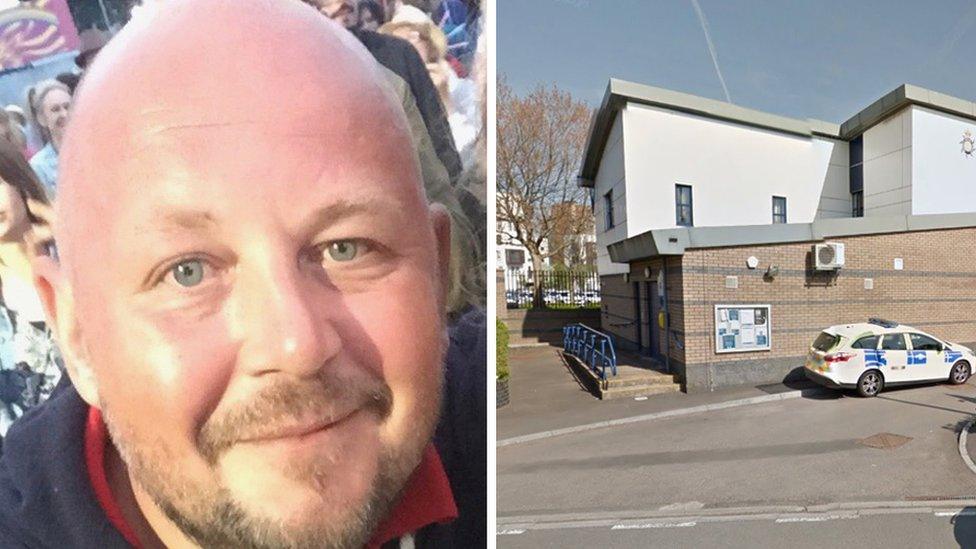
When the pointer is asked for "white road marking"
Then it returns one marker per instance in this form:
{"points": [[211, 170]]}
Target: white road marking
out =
{"points": [[962, 513], [510, 532], [814, 519], [644, 525]]}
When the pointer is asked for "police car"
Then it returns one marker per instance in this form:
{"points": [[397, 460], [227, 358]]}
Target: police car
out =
{"points": [[880, 353]]}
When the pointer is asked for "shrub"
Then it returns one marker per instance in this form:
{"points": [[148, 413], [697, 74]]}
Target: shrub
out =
{"points": [[501, 350]]}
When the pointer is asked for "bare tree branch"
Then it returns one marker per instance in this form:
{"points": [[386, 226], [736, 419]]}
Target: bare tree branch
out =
{"points": [[540, 144]]}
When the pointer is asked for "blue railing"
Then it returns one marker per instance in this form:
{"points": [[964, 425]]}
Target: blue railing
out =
{"points": [[592, 348]]}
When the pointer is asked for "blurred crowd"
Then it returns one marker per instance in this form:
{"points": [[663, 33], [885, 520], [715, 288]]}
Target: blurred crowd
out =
{"points": [[430, 49]]}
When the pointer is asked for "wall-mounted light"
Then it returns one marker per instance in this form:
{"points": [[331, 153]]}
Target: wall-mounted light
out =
{"points": [[772, 271], [752, 262]]}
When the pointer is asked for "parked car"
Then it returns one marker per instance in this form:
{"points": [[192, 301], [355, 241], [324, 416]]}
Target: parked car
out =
{"points": [[880, 353]]}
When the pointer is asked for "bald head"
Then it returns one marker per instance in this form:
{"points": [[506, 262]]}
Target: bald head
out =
{"points": [[270, 70]]}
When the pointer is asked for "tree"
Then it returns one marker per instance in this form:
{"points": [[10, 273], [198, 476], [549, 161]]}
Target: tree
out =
{"points": [[540, 144]]}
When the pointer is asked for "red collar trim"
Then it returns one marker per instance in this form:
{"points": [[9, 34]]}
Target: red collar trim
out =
{"points": [[96, 437], [427, 498]]}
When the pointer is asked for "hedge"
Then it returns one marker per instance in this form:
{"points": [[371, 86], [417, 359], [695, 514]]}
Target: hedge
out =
{"points": [[501, 350]]}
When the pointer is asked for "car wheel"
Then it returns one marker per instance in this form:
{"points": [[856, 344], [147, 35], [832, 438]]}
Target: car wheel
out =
{"points": [[870, 383], [960, 373]]}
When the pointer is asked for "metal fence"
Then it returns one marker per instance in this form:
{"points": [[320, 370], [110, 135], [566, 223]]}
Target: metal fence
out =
{"points": [[560, 289]]}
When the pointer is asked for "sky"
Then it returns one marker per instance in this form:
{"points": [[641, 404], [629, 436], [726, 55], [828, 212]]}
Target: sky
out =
{"points": [[825, 60]]}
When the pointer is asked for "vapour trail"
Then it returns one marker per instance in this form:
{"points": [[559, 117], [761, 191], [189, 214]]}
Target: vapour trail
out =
{"points": [[711, 48]]}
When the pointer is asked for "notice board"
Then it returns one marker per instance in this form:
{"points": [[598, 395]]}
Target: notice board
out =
{"points": [[742, 328]]}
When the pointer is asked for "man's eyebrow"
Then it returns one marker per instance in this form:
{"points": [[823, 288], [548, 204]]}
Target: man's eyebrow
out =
{"points": [[343, 209], [188, 220]]}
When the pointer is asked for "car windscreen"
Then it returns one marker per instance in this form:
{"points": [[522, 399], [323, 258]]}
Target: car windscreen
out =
{"points": [[825, 342]]}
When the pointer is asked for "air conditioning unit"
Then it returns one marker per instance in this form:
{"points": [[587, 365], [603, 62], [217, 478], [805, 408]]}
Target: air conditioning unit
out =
{"points": [[828, 256]]}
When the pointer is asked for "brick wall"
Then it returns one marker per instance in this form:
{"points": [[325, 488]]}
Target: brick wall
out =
{"points": [[936, 292], [617, 310]]}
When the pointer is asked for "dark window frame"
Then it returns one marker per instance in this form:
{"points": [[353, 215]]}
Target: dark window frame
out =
{"points": [[857, 204], [608, 210], [783, 215], [679, 205]]}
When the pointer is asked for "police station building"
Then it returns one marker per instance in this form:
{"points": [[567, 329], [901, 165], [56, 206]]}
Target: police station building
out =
{"points": [[729, 238]]}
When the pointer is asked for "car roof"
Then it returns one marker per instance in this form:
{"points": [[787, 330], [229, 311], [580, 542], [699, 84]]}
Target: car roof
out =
{"points": [[853, 331]]}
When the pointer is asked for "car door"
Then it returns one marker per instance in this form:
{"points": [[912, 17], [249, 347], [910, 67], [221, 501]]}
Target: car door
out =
{"points": [[925, 359], [895, 351]]}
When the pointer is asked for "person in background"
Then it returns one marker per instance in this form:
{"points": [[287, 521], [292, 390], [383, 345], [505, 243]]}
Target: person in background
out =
{"points": [[31, 135], [400, 58], [12, 131], [30, 362], [370, 15], [50, 103], [458, 95]]}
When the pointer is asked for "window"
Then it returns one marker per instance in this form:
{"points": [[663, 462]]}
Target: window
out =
{"points": [[514, 257], [608, 209], [924, 343], [682, 205], [894, 342], [779, 209], [866, 342], [825, 342], [857, 176]]}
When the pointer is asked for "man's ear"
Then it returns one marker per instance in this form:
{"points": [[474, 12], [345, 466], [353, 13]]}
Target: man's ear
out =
{"points": [[441, 222], [59, 306]]}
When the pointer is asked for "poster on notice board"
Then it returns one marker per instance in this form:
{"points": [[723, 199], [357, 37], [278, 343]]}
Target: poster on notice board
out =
{"points": [[742, 328]]}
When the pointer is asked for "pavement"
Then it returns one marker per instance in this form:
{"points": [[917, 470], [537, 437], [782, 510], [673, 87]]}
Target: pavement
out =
{"points": [[731, 475], [546, 397]]}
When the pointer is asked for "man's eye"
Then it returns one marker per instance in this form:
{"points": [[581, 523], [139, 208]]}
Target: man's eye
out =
{"points": [[188, 273], [343, 250]]}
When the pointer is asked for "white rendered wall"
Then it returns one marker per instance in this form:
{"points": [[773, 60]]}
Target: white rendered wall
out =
{"points": [[610, 175], [835, 198], [888, 166], [734, 170], [944, 178]]}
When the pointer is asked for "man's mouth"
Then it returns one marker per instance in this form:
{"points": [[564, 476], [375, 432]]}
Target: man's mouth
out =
{"points": [[298, 430]]}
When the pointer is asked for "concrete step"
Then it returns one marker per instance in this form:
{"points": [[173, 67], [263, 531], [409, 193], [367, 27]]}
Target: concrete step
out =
{"points": [[639, 390], [651, 379], [631, 384]]}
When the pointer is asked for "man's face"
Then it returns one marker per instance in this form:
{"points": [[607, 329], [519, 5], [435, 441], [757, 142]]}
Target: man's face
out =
{"points": [[264, 317], [344, 12]]}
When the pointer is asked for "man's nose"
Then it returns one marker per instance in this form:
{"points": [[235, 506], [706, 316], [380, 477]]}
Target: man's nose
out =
{"points": [[283, 328]]}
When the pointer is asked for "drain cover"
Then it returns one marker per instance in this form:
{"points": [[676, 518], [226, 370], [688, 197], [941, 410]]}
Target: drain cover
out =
{"points": [[884, 441]]}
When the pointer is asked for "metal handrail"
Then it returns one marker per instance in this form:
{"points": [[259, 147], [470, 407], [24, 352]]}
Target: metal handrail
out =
{"points": [[592, 347]]}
